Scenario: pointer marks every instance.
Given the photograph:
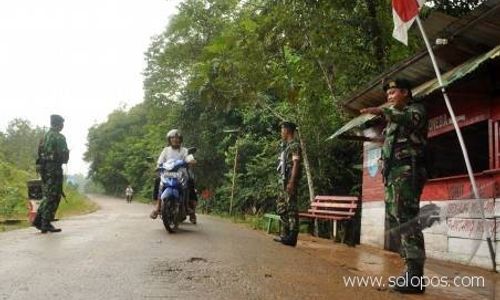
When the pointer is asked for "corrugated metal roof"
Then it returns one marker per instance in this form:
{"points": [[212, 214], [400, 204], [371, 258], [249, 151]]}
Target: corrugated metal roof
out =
{"points": [[455, 74], [427, 87], [467, 37]]}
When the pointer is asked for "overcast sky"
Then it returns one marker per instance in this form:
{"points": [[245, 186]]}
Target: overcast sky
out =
{"points": [[78, 58]]}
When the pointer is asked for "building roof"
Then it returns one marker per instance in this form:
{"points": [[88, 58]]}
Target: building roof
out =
{"points": [[468, 37], [429, 87]]}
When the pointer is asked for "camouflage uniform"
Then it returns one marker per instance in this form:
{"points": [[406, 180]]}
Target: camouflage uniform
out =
{"points": [[53, 152], [286, 205], [405, 175]]}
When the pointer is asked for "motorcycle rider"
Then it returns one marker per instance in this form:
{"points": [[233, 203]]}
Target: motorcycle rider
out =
{"points": [[175, 151]]}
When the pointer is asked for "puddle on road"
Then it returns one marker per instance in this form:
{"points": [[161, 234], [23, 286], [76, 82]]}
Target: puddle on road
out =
{"points": [[368, 261]]}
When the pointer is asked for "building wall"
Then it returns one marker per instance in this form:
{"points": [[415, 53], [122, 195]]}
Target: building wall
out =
{"points": [[454, 230], [454, 226]]}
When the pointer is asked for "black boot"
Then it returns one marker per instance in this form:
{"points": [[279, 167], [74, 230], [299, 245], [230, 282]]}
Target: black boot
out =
{"points": [[279, 239], [47, 227], [53, 229], [283, 235], [37, 222], [44, 228], [290, 239], [411, 281]]}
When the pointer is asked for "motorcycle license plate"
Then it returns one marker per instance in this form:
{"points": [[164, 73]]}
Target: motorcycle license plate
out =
{"points": [[172, 174]]}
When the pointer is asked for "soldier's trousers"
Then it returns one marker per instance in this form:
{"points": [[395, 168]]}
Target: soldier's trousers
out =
{"points": [[402, 202], [286, 207], [51, 191]]}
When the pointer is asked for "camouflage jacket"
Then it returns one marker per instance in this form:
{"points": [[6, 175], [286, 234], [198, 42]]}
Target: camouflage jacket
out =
{"points": [[53, 148], [289, 151], [405, 134]]}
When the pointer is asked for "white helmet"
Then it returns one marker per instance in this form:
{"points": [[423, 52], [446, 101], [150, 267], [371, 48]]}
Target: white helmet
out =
{"points": [[172, 133]]}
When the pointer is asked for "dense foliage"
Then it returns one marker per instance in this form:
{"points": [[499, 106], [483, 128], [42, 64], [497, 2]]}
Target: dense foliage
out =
{"points": [[226, 72]]}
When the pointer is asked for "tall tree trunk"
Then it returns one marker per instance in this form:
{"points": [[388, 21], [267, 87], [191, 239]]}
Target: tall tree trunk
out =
{"points": [[234, 178], [374, 33], [310, 183]]}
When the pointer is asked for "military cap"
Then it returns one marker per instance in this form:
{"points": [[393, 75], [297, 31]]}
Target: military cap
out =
{"points": [[396, 83], [289, 125], [56, 120]]}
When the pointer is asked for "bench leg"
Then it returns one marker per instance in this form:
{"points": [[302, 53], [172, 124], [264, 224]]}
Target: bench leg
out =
{"points": [[316, 229], [269, 223], [334, 230]]}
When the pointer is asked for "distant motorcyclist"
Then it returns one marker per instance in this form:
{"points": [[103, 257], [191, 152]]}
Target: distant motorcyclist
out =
{"points": [[174, 151]]}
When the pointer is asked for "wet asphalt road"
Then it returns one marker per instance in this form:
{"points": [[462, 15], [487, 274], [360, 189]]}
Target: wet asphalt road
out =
{"points": [[119, 253]]}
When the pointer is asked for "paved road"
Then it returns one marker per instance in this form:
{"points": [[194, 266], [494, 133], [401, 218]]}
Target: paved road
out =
{"points": [[119, 253]]}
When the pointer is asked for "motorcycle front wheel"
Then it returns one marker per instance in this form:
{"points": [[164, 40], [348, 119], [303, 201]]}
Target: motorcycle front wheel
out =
{"points": [[168, 215]]}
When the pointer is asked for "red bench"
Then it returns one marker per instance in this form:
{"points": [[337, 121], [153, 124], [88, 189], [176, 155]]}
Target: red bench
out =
{"points": [[331, 208]]}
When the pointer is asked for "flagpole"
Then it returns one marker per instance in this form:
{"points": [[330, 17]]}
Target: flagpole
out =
{"points": [[459, 135]]}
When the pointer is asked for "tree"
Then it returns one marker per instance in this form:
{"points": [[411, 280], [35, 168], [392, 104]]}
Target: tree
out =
{"points": [[247, 65], [19, 144]]}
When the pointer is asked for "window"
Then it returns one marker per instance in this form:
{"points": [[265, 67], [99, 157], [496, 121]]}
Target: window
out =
{"points": [[445, 155]]}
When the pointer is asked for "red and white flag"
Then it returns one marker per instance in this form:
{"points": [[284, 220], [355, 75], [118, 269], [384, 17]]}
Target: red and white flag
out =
{"points": [[404, 13]]}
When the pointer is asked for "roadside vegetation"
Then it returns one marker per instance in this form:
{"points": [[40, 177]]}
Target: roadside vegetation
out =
{"points": [[18, 146], [227, 72]]}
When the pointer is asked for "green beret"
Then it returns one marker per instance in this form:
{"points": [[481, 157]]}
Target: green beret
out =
{"points": [[396, 83], [289, 125], [56, 120]]}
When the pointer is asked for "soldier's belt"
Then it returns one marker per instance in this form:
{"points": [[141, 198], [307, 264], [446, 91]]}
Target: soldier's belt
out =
{"points": [[408, 161]]}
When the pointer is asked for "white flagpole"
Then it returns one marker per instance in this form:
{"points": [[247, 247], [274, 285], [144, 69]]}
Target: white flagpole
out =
{"points": [[459, 135], [450, 110]]}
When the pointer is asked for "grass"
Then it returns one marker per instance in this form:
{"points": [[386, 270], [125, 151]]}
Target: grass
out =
{"points": [[256, 222], [13, 225], [76, 204]]}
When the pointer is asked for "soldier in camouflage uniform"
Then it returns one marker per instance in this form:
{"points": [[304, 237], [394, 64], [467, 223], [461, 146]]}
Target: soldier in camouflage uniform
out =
{"points": [[404, 175], [289, 169], [52, 153]]}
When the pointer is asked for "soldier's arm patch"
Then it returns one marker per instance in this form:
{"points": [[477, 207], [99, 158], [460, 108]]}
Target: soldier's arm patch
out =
{"points": [[417, 118]]}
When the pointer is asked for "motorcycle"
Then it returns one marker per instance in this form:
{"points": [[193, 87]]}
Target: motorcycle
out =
{"points": [[173, 191]]}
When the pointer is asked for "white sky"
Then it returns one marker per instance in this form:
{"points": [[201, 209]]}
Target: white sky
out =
{"points": [[78, 58]]}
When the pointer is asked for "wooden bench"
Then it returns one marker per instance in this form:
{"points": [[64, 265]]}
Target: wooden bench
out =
{"points": [[331, 208]]}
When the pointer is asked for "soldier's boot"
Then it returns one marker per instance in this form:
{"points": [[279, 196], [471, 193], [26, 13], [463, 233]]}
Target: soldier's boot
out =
{"points": [[37, 222], [283, 235], [47, 227], [279, 238], [53, 229], [290, 239], [44, 227], [411, 280]]}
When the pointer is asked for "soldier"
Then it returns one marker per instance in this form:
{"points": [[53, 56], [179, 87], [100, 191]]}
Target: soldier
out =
{"points": [[52, 153], [404, 174], [289, 169]]}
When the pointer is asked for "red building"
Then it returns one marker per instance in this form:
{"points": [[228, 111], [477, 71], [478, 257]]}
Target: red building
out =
{"points": [[456, 225]]}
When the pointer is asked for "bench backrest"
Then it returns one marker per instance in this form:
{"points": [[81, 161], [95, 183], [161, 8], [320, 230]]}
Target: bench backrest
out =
{"points": [[334, 205]]}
